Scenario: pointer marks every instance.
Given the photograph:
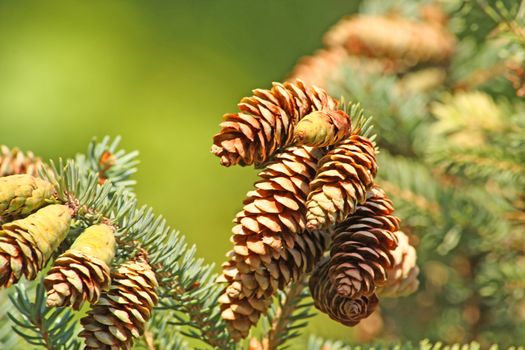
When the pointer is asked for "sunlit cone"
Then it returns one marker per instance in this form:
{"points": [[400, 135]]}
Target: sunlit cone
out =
{"points": [[27, 244], [122, 312], [21, 195], [82, 272], [343, 178], [266, 121], [407, 43], [402, 277], [13, 162], [362, 249], [323, 128], [346, 311], [270, 247]]}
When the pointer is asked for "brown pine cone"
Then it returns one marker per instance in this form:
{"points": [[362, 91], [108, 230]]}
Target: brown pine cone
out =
{"points": [[14, 161], [265, 122], [362, 250], [273, 213], [405, 42], [82, 272], [323, 128], [402, 276], [346, 311], [270, 247], [122, 312], [343, 178]]}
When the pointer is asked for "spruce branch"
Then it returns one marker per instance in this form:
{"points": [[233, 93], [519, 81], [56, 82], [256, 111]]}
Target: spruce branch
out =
{"points": [[51, 328], [288, 315]]}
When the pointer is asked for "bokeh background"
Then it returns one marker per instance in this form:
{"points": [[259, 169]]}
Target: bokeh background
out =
{"points": [[160, 74]]}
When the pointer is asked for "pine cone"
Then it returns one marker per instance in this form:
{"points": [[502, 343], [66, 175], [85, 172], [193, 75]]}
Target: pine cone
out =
{"points": [[27, 244], [81, 272], [516, 75], [343, 178], [270, 249], [265, 122], [323, 128], [14, 162], [21, 195], [406, 42], [363, 246], [343, 310], [402, 277], [122, 312]]}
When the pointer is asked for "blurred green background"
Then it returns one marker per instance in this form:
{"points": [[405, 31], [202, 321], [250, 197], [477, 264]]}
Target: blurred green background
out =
{"points": [[161, 74]]}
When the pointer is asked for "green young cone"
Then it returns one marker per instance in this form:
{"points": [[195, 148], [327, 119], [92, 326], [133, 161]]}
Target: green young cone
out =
{"points": [[82, 272], [21, 195], [27, 244]]}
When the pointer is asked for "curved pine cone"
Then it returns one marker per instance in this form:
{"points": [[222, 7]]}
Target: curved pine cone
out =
{"points": [[402, 277], [122, 312], [265, 122], [14, 161], [271, 247], [346, 311], [362, 250], [343, 178], [406, 42]]}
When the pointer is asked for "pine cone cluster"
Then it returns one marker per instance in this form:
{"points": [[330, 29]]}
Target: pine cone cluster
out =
{"points": [[405, 42], [34, 227], [375, 45], [318, 178]]}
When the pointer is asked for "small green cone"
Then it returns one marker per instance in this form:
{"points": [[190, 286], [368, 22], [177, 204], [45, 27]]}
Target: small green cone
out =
{"points": [[323, 128], [21, 195], [82, 272], [27, 244]]}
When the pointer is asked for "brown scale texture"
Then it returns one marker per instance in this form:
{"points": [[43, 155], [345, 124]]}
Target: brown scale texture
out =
{"points": [[13, 162], [347, 311], [265, 122], [271, 247], [323, 129], [122, 312], [343, 178], [362, 250], [402, 276], [407, 43]]}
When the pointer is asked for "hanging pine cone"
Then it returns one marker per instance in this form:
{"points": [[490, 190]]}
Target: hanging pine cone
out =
{"points": [[21, 195], [122, 312], [346, 311], [405, 42], [27, 244], [269, 248], [402, 276], [265, 122], [322, 129], [14, 162], [344, 176], [362, 250], [81, 272]]}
